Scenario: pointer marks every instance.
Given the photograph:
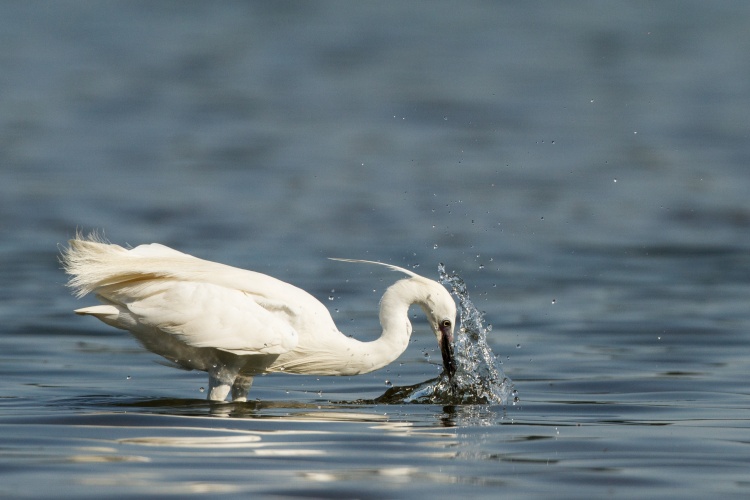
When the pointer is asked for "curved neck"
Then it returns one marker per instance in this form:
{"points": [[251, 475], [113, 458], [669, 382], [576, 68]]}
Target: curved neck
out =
{"points": [[337, 354], [394, 319]]}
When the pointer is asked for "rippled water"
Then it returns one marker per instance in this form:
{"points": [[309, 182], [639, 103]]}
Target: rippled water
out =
{"points": [[581, 165]]}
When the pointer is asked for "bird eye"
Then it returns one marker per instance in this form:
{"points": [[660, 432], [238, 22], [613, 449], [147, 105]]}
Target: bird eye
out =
{"points": [[445, 323]]}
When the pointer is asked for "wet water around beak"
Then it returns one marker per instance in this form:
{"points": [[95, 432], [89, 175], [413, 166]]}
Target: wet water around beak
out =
{"points": [[479, 376]]}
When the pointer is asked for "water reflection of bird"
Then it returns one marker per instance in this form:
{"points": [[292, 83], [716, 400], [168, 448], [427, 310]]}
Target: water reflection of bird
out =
{"points": [[235, 324]]}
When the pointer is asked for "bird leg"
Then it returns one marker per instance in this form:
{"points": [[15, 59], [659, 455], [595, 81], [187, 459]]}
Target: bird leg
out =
{"points": [[240, 388], [221, 377], [217, 389]]}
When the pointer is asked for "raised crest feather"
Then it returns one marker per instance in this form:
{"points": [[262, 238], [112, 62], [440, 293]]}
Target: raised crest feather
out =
{"points": [[389, 266]]}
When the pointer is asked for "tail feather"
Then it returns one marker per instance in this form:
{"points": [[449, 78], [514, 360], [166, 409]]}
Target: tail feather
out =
{"points": [[93, 263]]}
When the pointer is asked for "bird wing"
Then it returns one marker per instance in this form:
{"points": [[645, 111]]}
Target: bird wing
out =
{"points": [[203, 315], [203, 303]]}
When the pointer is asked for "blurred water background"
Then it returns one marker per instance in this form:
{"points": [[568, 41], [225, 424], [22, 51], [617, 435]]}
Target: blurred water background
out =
{"points": [[582, 165]]}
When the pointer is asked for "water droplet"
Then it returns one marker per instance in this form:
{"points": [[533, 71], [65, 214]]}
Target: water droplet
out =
{"points": [[518, 346], [554, 301], [128, 377], [434, 247], [330, 297], [202, 389], [615, 180], [388, 383]]}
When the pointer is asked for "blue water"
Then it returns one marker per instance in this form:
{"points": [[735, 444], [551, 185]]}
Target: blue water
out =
{"points": [[583, 166]]}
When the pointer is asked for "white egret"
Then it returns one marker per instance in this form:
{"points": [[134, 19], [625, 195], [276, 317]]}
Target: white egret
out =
{"points": [[236, 324]]}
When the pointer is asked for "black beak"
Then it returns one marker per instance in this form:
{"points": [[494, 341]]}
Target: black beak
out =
{"points": [[446, 349]]}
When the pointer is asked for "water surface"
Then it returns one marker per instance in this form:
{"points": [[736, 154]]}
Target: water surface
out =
{"points": [[581, 165]]}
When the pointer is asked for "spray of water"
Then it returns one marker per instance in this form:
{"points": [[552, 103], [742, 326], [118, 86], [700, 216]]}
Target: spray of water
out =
{"points": [[479, 378]]}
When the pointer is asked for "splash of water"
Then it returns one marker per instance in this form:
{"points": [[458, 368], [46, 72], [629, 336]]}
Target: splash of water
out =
{"points": [[479, 378]]}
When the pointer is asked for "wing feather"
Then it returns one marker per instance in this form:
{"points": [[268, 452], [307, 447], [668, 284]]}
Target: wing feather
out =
{"points": [[203, 315]]}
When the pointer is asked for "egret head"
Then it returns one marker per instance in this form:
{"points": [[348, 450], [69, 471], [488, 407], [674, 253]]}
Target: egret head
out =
{"points": [[441, 314]]}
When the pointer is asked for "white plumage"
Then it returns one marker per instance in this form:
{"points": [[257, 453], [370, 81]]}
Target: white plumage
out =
{"points": [[235, 324]]}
